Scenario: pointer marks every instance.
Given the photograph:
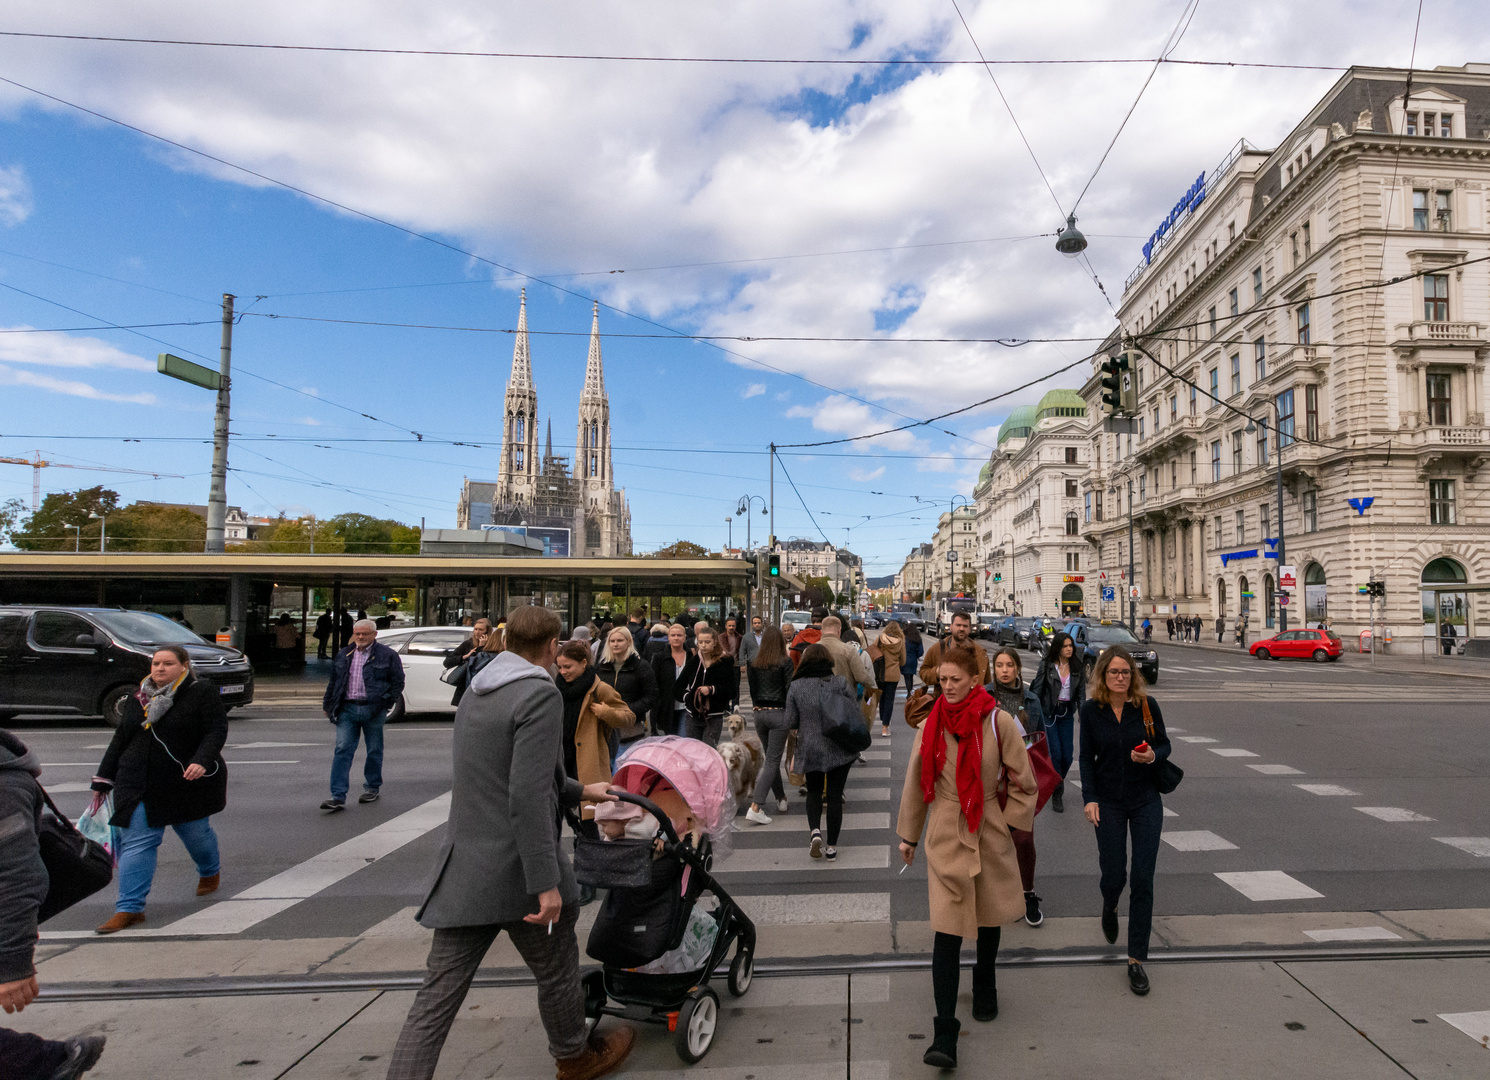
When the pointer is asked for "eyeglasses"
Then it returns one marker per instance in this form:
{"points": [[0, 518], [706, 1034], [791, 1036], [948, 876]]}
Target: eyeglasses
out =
{"points": [[1121, 672]]}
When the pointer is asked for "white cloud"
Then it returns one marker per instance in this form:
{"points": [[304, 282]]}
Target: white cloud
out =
{"points": [[839, 415], [863, 476], [16, 202], [753, 390], [63, 350], [309, 421], [72, 388]]}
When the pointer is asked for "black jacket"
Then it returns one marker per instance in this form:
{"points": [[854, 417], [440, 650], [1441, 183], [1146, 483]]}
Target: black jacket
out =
{"points": [[382, 675], [657, 645], [23, 876], [1047, 685], [768, 685], [724, 678], [671, 689], [146, 764], [635, 681], [1108, 772]]}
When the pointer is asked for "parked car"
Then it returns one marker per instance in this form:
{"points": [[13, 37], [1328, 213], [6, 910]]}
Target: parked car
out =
{"points": [[1320, 646], [1091, 640], [1014, 630], [422, 650], [86, 661], [798, 619]]}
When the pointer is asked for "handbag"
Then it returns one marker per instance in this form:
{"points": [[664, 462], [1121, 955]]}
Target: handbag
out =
{"points": [[918, 706], [1167, 775], [76, 866], [454, 676], [613, 864], [1046, 778], [793, 776], [843, 724]]}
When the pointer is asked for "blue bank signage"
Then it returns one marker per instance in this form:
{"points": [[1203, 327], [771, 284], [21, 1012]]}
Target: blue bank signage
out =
{"points": [[1189, 202]]}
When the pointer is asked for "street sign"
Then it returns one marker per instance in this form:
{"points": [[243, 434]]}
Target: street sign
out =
{"points": [[186, 371], [1283, 599], [951, 556], [1133, 592], [1288, 577], [1109, 594]]}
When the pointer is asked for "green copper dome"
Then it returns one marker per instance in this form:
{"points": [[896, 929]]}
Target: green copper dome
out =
{"points": [[1019, 425], [1060, 403], [984, 471]]}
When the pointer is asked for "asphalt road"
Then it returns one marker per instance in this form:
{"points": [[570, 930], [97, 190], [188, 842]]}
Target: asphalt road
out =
{"points": [[1406, 747]]}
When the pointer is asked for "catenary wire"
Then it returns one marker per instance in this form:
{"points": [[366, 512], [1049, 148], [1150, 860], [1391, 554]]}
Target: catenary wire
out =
{"points": [[801, 500]]}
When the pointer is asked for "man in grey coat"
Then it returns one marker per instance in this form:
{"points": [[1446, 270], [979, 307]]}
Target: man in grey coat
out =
{"points": [[750, 641], [502, 868]]}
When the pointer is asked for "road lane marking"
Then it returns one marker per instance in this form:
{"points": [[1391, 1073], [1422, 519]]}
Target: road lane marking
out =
{"points": [[67, 789], [1391, 813], [1354, 933], [1263, 885], [795, 859], [1277, 770], [1198, 740], [866, 794], [1478, 846], [1474, 1024], [798, 823], [287, 888], [271, 745], [1325, 789], [1196, 840], [1231, 753], [869, 772]]}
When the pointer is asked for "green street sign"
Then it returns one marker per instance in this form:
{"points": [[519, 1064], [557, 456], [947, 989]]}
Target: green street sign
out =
{"points": [[186, 371]]}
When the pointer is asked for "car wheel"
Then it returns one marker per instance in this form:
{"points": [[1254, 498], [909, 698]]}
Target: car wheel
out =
{"points": [[1320, 656], [1263, 654], [112, 704], [396, 711]]}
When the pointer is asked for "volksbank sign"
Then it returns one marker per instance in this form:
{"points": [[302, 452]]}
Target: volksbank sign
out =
{"points": [[1191, 200]]}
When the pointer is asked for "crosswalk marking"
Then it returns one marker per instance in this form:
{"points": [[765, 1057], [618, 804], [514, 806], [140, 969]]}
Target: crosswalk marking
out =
{"points": [[1325, 789], [1354, 933], [869, 772], [1263, 885], [812, 909], [1196, 840], [1474, 1024], [1478, 846], [866, 794], [1231, 752], [798, 823], [1391, 813], [795, 859], [1197, 739], [1277, 770]]}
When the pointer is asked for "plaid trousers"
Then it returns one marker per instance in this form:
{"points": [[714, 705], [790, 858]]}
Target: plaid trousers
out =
{"points": [[453, 959]]}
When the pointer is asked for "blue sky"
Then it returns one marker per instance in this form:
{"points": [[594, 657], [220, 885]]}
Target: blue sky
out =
{"points": [[887, 189]]}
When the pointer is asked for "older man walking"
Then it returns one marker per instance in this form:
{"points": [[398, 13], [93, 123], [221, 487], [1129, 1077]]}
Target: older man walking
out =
{"points": [[502, 867], [367, 679], [849, 660]]}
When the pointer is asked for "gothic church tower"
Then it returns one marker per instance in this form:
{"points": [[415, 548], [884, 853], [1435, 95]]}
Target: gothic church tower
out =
{"points": [[520, 464], [592, 440]]}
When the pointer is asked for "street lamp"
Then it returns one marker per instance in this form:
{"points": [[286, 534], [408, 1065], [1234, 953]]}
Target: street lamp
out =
{"points": [[743, 510], [102, 526], [1132, 581], [1278, 439], [729, 524], [1069, 241], [1013, 589], [77, 538]]}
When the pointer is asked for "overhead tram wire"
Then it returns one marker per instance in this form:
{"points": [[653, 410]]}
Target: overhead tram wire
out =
{"points": [[827, 61], [803, 501], [429, 238]]}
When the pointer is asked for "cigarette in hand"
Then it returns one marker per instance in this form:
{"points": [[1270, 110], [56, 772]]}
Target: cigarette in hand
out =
{"points": [[550, 929], [904, 868]]}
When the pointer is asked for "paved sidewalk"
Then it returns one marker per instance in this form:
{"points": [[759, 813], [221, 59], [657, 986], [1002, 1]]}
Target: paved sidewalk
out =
{"points": [[1353, 1020]]}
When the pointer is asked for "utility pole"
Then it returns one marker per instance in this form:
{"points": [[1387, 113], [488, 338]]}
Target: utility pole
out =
{"points": [[217, 496], [771, 543], [1282, 554], [1132, 581]]}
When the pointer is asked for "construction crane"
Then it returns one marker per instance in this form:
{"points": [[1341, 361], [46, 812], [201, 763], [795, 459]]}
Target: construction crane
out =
{"points": [[38, 464]]}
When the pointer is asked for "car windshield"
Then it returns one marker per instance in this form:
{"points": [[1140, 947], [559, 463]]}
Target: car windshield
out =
{"points": [[1110, 635], [145, 628]]}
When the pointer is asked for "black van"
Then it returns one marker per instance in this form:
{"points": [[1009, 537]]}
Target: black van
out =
{"points": [[86, 661]]}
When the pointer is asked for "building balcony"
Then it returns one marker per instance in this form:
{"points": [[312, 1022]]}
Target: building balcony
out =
{"points": [[1180, 434], [1294, 361], [1416, 336], [1027, 513]]}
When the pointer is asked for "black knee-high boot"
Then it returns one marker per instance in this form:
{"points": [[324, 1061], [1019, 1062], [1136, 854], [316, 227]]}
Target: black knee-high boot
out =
{"points": [[946, 956], [985, 986]]}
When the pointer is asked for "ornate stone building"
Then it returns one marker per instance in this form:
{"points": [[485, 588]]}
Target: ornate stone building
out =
{"points": [[1276, 349], [576, 506]]}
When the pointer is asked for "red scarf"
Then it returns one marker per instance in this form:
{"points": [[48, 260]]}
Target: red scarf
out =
{"points": [[965, 721]]}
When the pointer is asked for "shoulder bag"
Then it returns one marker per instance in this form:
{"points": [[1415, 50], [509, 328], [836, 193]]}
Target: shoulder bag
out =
{"points": [[1167, 775], [918, 706], [76, 866], [843, 723]]}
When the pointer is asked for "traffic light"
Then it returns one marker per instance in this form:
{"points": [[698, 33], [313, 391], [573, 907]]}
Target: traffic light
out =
{"points": [[773, 565], [1114, 378], [1377, 588]]}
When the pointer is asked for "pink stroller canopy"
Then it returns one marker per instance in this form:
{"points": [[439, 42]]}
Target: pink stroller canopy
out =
{"points": [[693, 768]]}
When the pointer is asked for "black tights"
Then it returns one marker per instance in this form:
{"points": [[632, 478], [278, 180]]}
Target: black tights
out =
{"points": [[946, 959], [827, 788]]}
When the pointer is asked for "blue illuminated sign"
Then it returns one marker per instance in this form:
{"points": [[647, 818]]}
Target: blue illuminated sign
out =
{"points": [[1232, 556], [1191, 200]]}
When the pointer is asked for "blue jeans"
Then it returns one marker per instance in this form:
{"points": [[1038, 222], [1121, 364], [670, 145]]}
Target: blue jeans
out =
{"points": [[354, 717], [138, 846], [1059, 734]]}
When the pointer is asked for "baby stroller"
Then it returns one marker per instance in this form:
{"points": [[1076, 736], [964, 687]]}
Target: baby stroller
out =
{"points": [[650, 919]]}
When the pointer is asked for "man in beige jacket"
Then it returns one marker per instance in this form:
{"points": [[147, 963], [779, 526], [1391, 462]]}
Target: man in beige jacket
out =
{"points": [[849, 660]]}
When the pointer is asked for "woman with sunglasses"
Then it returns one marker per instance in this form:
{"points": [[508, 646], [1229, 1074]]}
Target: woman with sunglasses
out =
{"points": [[1118, 751]]}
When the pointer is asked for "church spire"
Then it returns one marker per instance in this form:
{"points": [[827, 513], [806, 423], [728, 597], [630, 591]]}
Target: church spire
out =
{"points": [[548, 440], [522, 362], [594, 371]]}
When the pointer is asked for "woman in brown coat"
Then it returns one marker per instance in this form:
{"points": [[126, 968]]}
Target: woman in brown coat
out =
{"points": [[965, 754], [591, 709], [891, 649]]}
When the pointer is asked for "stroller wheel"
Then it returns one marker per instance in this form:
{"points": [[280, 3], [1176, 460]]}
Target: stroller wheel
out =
{"points": [[696, 1023], [741, 970], [593, 983]]}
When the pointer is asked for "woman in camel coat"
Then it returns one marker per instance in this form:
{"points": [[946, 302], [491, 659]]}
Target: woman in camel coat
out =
{"points": [[972, 874], [891, 649], [596, 708]]}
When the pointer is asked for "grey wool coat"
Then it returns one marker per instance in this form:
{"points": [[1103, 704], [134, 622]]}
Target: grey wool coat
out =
{"points": [[502, 845], [806, 705]]}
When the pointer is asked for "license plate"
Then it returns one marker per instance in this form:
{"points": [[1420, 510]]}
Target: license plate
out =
{"points": [[236, 688]]}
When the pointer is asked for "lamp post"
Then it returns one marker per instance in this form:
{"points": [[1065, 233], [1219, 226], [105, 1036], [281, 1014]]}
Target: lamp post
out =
{"points": [[1013, 590], [729, 525], [1278, 440], [743, 510], [77, 537], [1132, 581], [102, 526]]}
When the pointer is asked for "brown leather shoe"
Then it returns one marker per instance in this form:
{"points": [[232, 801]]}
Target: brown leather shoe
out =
{"points": [[122, 920], [208, 884], [607, 1049]]}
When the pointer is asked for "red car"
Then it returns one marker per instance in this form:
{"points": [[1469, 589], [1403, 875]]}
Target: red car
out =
{"points": [[1316, 645]]}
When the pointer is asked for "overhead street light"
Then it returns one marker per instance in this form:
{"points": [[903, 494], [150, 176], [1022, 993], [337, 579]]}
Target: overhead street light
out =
{"points": [[1069, 241]]}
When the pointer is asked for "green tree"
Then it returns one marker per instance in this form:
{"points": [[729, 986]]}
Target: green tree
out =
{"points": [[48, 529], [11, 513], [148, 527], [292, 535], [362, 534], [681, 549]]}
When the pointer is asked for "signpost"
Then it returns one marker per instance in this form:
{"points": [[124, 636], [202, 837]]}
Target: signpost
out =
{"points": [[1288, 577], [1109, 594]]}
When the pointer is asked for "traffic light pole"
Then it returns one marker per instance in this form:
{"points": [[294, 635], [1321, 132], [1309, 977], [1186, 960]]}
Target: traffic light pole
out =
{"points": [[771, 544], [217, 494], [1132, 581]]}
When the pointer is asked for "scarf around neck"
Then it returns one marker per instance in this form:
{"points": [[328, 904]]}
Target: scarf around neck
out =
{"points": [[965, 722], [157, 700]]}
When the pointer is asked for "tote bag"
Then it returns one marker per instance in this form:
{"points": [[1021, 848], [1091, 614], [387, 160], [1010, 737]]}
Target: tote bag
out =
{"points": [[76, 866]]}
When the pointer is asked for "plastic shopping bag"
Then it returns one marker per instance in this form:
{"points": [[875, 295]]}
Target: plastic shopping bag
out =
{"points": [[693, 953], [94, 824]]}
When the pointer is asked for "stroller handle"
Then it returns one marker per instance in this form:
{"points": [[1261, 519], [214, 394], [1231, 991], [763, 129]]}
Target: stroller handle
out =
{"points": [[652, 808]]}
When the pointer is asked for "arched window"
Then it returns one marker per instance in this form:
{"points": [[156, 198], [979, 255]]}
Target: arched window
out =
{"points": [[1443, 571], [517, 430], [592, 532], [1071, 524], [1242, 597], [1268, 600], [1220, 596]]}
